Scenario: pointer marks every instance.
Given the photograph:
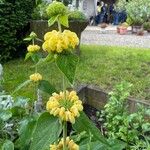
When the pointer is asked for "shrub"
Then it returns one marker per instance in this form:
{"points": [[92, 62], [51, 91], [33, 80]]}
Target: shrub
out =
{"points": [[40, 12], [120, 6], [138, 11], [146, 25], [14, 17], [132, 128], [77, 15]]}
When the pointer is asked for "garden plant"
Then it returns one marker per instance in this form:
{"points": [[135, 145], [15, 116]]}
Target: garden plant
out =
{"points": [[60, 122], [138, 11], [25, 124], [119, 123]]}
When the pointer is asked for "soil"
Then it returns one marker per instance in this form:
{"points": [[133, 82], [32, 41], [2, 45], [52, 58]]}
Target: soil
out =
{"points": [[91, 112]]}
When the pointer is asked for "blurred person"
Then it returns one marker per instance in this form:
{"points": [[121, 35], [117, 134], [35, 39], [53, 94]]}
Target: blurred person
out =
{"points": [[104, 11], [98, 13]]}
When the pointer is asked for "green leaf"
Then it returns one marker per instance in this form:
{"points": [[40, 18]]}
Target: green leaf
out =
{"points": [[46, 87], [116, 144], [46, 132], [52, 20], [28, 55], [33, 35], [8, 145], [25, 133], [67, 64], [5, 115], [39, 40], [36, 57], [83, 123], [21, 86], [64, 20], [21, 102], [27, 39], [93, 146], [18, 111], [97, 145], [42, 61]]}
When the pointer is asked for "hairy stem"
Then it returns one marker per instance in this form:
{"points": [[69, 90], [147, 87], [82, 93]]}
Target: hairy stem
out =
{"points": [[64, 135], [59, 25]]}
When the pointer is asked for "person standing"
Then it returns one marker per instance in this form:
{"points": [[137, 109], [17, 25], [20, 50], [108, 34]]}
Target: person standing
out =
{"points": [[98, 14], [111, 13], [103, 13]]}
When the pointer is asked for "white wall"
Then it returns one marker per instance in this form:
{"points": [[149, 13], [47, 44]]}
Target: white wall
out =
{"points": [[89, 7]]}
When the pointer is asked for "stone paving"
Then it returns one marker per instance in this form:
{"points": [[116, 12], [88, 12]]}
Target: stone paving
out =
{"points": [[109, 36]]}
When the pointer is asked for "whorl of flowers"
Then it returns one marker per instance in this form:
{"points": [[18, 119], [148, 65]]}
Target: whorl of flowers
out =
{"points": [[56, 8], [35, 77], [58, 42], [33, 48], [71, 145], [65, 105]]}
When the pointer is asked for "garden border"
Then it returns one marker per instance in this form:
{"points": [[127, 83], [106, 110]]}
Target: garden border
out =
{"points": [[97, 98]]}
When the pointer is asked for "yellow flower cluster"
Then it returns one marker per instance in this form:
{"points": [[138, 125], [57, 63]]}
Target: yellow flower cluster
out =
{"points": [[65, 105], [69, 143], [33, 48], [36, 77], [57, 42]]}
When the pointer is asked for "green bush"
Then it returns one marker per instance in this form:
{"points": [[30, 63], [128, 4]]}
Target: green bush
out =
{"points": [[138, 11], [40, 12], [77, 15], [146, 25], [131, 128], [14, 18], [121, 5]]}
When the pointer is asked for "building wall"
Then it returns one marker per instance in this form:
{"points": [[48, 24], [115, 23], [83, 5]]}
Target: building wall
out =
{"points": [[88, 7]]}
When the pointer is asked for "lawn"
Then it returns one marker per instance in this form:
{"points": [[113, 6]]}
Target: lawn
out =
{"points": [[103, 66]]}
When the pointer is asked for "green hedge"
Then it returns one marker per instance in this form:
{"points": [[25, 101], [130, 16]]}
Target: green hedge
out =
{"points": [[14, 18]]}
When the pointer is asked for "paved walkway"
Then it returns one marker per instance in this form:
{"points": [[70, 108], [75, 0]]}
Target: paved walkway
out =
{"points": [[95, 35]]}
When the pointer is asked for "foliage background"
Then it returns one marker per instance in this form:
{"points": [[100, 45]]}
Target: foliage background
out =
{"points": [[14, 24]]}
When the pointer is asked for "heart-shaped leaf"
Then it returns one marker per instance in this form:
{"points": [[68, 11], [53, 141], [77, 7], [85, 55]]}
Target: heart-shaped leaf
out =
{"points": [[46, 132], [67, 64]]}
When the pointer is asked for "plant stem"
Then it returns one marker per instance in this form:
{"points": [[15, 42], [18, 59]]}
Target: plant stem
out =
{"points": [[59, 25], [33, 41], [64, 135], [64, 86]]}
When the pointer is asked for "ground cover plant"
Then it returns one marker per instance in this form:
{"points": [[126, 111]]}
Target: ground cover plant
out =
{"points": [[108, 66], [119, 123]]}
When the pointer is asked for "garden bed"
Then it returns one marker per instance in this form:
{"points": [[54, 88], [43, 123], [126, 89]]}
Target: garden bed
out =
{"points": [[117, 119], [97, 98]]}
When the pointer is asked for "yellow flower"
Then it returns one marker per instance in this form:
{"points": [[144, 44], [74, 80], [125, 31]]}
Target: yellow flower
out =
{"points": [[71, 145], [48, 35], [36, 77], [33, 48], [72, 38], [66, 106], [58, 42]]}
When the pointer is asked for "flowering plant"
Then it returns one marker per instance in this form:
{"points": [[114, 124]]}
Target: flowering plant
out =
{"points": [[63, 108]]}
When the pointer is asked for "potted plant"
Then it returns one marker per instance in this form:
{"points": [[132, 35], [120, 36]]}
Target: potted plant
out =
{"points": [[138, 12], [146, 26], [122, 29], [140, 32]]}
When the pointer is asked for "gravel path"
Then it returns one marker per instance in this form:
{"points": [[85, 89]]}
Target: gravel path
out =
{"points": [[94, 35]]}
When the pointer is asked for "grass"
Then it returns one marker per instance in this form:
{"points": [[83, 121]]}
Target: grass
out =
{"points": [[103, 66]]}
